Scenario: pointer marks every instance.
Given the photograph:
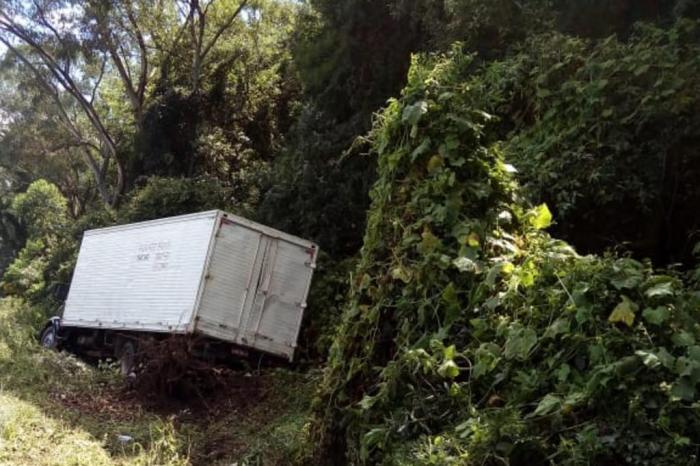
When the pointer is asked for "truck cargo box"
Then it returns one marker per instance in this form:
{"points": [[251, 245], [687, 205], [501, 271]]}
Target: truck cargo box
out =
{"points": [[211, 273]]}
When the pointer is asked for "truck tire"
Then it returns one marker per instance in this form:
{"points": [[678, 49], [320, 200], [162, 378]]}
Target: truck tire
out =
{"points": [[49, 337]]}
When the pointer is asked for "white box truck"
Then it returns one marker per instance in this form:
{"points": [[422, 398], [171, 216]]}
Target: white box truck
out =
{"points": [[212, 274]]}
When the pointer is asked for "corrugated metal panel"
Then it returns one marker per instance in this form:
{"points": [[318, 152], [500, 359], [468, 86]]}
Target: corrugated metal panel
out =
{"points": [[235, 265], [256, 289], [269, 231], [276, 315], [142, 276]]}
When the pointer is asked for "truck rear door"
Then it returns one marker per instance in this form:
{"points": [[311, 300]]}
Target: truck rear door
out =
{"points": [[256, 287], [275, 316]]}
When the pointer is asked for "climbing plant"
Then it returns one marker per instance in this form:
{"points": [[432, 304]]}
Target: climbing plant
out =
{"points": [[473, 337], [608, 130]]}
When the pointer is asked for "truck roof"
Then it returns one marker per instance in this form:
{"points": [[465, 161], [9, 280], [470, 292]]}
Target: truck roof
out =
{"points": [[208, 213]]}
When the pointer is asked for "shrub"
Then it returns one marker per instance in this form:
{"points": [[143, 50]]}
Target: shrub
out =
{"points": [[164, 197], [607, 130], [43, 212], [315, 191], [25, 275], [42, 209], [473, 337]]}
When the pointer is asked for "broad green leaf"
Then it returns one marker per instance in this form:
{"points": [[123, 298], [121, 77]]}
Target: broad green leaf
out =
{"points": [[596, 353], [452, 141], [624, 312], [559, 326], [448, 369], [472, 240], [548, 405], [657, 315], [687, 367], [486, 359], [626, 366], [628, 273], [449, 352], [563, 372], [683, 389], [435, 162], [507, 268], [412, 113], [583, 314], [666, 358], [662, 287], [465, 264], [542, 217], [575, 398], [649, 359], [519, 343], [421, 149], [683, 338], [479, 326], [694, 353]]}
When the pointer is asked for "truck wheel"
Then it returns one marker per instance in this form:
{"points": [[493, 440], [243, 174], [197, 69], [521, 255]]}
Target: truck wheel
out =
{"points": [[127, 359], [49, 338]]}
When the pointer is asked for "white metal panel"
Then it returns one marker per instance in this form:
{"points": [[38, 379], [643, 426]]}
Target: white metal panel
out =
{"points": [[276, 315], [215, 273], [256, 287], [142, 276], [269, 231], [236, 259]]}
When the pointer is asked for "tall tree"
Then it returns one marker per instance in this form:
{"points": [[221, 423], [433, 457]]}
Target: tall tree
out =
{"points": [[44, 39], [72, 48]]}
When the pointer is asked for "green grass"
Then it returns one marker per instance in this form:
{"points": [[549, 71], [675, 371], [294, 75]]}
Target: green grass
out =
{"points": [[57, 410]]}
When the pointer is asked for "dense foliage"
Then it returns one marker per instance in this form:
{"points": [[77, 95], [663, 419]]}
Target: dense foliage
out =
{"points": [[607, 130], [43, 209], [48, 257], [469, 335], [472, 337]]}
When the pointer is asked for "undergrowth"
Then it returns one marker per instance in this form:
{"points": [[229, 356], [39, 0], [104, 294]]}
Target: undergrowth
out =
{"points": [[473, 337], [57, 410]]}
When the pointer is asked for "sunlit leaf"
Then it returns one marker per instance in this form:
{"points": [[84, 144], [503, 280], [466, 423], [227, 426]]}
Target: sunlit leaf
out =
{"points": [[412, 113], [649, 359], [548, 405], [624, 312], [448, 369], [663, 287], [542, 217]]}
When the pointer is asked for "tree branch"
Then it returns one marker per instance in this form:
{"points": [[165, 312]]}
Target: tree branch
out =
{"points": [[143, 75], [65, 80], [97, 83], [223, 28]]}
